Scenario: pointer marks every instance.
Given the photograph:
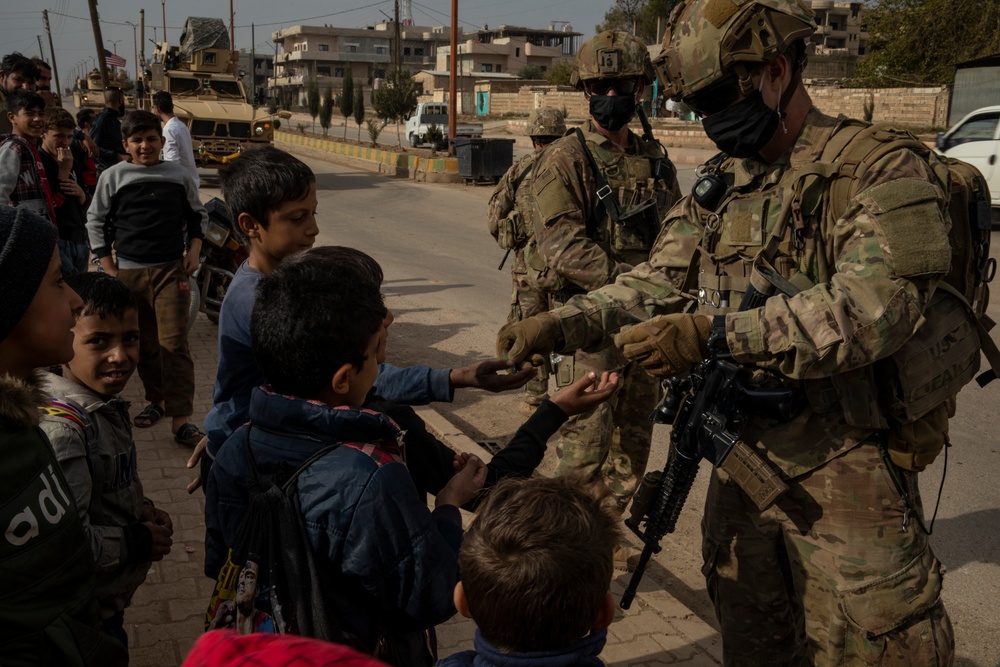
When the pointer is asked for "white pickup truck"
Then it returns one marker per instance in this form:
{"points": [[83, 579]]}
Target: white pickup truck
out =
{"points": [[436, 113]]}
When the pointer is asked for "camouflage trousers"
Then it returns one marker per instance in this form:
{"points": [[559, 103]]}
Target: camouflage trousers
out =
{"points": [[526, 301], [611, 442], [833, 574], [163, 297]]}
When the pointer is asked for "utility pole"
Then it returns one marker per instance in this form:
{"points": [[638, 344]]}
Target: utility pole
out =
{"points": [[397, 54], [452, 77], [232, 28], [41, 51], [163, 5], [142, 38], [99, 42], [52, 52], [253, 68]]}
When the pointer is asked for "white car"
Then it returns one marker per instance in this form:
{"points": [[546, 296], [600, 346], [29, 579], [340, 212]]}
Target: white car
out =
{"points": [[976, 139]]}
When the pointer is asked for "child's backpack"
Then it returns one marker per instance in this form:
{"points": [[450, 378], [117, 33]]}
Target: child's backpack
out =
{"points": [[270, 582]]}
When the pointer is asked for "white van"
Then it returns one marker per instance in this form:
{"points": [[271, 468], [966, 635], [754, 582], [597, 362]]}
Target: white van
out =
{"points": [[976, 139]]}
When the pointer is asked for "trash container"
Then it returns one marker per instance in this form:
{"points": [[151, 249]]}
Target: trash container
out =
{"points": [[482, 159]]}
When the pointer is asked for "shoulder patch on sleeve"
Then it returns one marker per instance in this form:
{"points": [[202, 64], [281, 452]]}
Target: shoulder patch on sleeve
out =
{"points": [[912, 228], [552, 197]]}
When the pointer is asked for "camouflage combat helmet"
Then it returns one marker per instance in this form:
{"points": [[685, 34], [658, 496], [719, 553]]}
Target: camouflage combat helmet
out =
{"points": [[546, 122], [707, 40], [612, 54]]}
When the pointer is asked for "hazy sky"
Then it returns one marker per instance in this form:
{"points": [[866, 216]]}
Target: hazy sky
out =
{"points": [[21, 20]]}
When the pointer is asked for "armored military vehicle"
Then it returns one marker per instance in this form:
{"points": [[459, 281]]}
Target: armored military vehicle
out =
{"points": [[90, 91], [202, 78]]}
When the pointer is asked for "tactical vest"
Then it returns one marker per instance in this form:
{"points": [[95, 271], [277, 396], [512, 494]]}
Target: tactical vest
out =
{"points": [[642, 201], [911, 394], [514, 230]]}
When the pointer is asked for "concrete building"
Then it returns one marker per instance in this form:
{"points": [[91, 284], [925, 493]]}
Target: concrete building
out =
{"points": [[839, 29], [257, 79], [326, 52], [509, 49]]}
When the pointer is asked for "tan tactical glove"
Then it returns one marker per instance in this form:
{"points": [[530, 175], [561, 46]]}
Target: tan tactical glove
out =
{"points": [[532, 339], [667, 345]]}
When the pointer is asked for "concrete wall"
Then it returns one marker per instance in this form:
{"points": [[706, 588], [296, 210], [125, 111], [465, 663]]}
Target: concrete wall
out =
{"points": [[919, 107]]}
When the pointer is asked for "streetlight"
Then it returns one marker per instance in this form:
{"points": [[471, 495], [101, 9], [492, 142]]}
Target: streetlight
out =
{"points": [[135, 49]]}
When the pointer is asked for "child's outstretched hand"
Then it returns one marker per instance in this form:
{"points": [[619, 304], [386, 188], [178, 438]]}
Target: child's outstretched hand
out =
{"points": [[466, 484], [586, 393]]}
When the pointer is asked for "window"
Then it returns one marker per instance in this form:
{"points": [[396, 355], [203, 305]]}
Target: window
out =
{"points": [[381, 50], [338, 72], [379, 74], [498, 68], [322, 71], [208, 58], [352, 48], [406, 50], [486, 68], [324, 47], [517, 52], [418, 50], [979, 128]]}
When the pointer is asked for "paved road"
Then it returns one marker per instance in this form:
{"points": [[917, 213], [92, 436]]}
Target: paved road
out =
{"points": [[442, 283]]}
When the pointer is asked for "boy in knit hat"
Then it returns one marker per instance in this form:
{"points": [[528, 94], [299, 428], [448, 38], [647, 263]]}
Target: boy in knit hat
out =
{"points": [[48, 612]]}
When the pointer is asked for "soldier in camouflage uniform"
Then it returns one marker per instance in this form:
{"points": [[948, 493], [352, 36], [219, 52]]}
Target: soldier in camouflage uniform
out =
{"points": [[839, 570], [578, 246], [510, 224]]}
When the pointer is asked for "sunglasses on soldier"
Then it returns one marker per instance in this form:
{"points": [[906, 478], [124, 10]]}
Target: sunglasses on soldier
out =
{"points": [[620, 86], [715, 98]]}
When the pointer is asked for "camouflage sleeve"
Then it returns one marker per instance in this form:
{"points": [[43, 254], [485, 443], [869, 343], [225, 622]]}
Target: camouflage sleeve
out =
{"points": [[561, 199], [655, 287], [502, 199], [886, 254]]}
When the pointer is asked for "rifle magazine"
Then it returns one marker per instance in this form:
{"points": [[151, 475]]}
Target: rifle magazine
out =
{"points": [[753, 474]]}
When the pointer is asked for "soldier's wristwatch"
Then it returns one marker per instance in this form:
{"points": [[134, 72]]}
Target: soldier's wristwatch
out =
{"points": [[718, 346]]}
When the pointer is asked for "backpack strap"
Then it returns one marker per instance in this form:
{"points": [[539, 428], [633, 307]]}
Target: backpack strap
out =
{"points": [[74, 413], [989, 347], [604, 192]]}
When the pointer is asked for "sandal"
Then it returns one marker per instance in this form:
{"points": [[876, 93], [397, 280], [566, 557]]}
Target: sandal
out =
{"points": [[152, 414], [189, 434]]}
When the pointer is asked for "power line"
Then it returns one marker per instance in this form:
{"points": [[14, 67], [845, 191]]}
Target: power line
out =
{"points": [[283, 22]]}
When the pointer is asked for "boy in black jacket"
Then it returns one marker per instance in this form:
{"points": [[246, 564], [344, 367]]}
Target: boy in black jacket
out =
{"points": [[145, 208]]}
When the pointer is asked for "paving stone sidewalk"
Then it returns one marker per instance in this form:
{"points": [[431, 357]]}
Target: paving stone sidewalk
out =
{"points": [[166, 616]]}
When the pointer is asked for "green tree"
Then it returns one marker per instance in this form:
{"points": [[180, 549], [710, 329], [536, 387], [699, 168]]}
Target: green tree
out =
{"points": [[919, 42], [312, 100], [396, 99], [530, 72], [326, 111], [359, 109], [347, 97], [642, 14], [559, 73]]}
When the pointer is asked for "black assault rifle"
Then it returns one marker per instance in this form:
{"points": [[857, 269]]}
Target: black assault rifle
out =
{"points": [[708, 409]]}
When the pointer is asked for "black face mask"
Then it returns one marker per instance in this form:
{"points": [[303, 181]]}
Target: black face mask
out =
{"points": [[612, 112], [744, 128]]}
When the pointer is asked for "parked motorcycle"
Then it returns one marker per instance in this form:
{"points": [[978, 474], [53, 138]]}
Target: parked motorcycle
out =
{"points": [[222, 252]]}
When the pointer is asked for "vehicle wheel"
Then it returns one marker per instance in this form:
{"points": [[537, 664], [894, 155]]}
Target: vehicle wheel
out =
{"points": [[413, 141]]}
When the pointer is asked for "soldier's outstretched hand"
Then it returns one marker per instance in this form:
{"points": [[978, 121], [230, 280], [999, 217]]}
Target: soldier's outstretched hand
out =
{"points": [[532, 339], [486, 375], [667, 345], [586, 393]]}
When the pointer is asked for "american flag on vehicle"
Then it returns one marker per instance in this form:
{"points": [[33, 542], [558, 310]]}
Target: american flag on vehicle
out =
{"points": [[113, 60]]}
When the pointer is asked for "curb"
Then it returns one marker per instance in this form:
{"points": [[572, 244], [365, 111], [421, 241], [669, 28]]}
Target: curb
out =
{"points": [[390, 163]]}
